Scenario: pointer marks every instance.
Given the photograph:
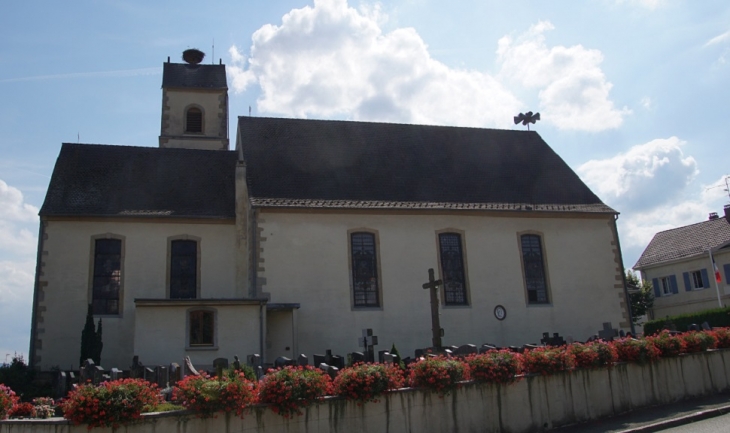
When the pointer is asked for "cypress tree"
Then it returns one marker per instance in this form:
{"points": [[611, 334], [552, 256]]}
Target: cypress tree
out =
{"points": [[88, 337]]}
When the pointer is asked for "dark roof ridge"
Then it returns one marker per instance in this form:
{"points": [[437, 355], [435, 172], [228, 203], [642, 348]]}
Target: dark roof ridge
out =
{"points": [[134, 147], [430, 125], [691, 225]]}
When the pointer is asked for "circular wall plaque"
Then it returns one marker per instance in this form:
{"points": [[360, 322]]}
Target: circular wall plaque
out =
{"points": [[499, 312]]}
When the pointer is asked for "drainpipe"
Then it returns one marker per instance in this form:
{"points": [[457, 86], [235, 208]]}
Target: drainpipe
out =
{"points": [[623, 276]]}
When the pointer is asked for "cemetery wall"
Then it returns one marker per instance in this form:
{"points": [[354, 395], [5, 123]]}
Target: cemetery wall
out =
{"points": [[535, 403], [583, 275], [67, 265]]}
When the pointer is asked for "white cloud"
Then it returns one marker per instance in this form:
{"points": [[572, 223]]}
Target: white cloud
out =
{"points": [[12, 207], [18, 222], [331, 60], [573, 89], [647, 103], [646, 176], [649, 4], [719, 39]]}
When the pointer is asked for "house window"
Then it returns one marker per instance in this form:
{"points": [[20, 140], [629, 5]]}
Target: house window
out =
{"points": [[201, 328], [364, 270], [107, 276], [183, 269], [533, 262], [665, 286], [452, 269], [194, 120], [697, 282]]}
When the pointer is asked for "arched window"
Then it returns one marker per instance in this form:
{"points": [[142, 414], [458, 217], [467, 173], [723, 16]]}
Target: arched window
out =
{"points": [[452, 269], [106, 278], [194, 120], [183, 269], [363, 253], [533, 262]]}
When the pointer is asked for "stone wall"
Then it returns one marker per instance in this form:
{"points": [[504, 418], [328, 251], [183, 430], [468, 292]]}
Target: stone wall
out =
{"points": [[535, 403]]}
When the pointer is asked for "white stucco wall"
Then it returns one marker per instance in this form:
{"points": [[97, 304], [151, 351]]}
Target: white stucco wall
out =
{"points": [[697, 299], [161, 333], [66, 269], [305, 260], [210, 102]]}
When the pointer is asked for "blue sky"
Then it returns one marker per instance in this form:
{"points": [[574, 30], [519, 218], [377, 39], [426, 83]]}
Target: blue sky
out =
{"points": [[632, 93]]}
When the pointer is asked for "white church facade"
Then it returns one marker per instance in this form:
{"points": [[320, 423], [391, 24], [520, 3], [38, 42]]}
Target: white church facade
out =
{"points": [[310, 231]]}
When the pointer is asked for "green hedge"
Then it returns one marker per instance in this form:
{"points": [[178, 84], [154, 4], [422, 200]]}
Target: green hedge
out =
{"points": [[718, 317]]}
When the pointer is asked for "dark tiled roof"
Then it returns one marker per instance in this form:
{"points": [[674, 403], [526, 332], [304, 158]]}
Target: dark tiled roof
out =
{"points": [[685, 242], [197, 76], [322, 163], [103, 180]]}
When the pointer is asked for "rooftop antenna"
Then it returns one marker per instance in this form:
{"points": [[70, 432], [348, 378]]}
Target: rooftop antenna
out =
{"points": [[726, 179], [212, 58], [527, 118], [249, 111], [78, 138]]}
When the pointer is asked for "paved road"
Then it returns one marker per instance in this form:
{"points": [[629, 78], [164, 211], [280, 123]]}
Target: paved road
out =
{"points": [[654, 419], [719, 424]]}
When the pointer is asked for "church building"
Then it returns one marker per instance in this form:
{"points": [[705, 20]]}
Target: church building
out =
{"points": [[309, 231]]}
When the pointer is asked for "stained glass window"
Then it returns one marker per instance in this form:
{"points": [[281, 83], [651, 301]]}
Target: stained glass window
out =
{"points": [[107, 277], [452, 269], [364, 270], [532, 259]]}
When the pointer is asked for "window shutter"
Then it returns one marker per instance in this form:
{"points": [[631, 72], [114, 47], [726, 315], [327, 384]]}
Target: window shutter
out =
{"points": [[705, 279], [673, 281], [655, 283], [687, 285], [726, 267]]}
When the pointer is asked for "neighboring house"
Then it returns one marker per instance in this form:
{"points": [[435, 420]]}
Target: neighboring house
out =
{"points": [[311, 231], [678, 263]]}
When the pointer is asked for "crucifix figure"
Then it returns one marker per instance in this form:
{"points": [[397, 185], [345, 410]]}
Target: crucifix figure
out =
{"points": [[368, 341], [433, 284]]}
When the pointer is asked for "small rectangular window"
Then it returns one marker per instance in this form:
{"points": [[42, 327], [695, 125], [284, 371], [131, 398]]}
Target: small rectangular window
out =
{"points": [[666, 286], [452, 269], [364, 270], [697, 282], [107, 276], [202, 328]]}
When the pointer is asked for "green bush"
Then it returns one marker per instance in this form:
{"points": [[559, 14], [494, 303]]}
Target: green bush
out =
{"points": [[718, 317]]}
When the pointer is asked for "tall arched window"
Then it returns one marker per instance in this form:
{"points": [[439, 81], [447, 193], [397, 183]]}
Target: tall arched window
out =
{"points": [[452, 269], [183, 269], [363, 252], [533, 262], [194, 120]]}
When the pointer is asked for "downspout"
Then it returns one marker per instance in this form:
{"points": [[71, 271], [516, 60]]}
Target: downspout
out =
{"points": [[717, 287], [623, 276], [261, 329], [36, 289]]}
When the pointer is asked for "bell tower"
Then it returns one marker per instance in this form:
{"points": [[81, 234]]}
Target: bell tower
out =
{"points": [[194, 104]]}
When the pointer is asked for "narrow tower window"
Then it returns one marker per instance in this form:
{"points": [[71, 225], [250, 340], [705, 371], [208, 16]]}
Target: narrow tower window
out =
{"points": [[194, 120]]}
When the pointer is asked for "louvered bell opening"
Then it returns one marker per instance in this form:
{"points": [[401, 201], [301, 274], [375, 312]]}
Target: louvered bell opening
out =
{"points": [[194, 121]]}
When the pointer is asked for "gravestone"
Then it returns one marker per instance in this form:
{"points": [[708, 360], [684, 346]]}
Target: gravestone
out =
{"points": [[337, 361], [116, 374], [706, 326], [693, 327], [323, 366], [86, 371], [408, 361], [381, 355], [388, 358], [368, 341], [98, 373], [319, 359], [61, 388], [136, 370], [282, 361], [486, 347], [607, 333], [149, 375], [163, 376], [236, 363], [466, 349], [72, 378], [333, 371], [356, 357], [259, 370], [220, 364], [175, 373], [302, 360], [419, 353], [254, 360], [556, 340]]}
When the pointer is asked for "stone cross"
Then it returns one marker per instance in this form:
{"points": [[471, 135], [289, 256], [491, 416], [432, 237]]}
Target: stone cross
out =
{"points": [[368, 341], [433, 285], [607, 333]]}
